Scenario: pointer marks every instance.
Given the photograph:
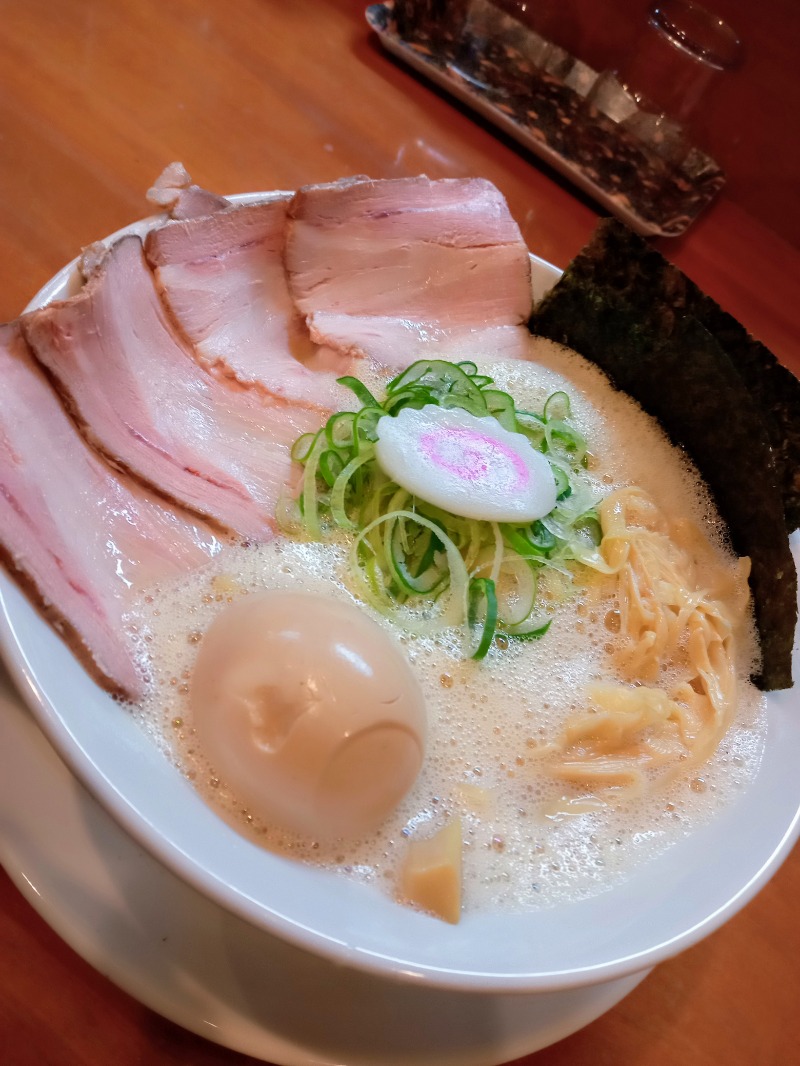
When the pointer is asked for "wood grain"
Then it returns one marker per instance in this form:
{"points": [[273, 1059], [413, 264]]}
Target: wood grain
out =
{"points": [[95, 99]]}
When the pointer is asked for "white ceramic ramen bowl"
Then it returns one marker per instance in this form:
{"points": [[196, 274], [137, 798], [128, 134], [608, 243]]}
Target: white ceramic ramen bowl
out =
{"points": [[662, 908]]}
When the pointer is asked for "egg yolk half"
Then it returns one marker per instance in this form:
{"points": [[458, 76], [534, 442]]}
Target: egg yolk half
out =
{"points": [[309, 712]]}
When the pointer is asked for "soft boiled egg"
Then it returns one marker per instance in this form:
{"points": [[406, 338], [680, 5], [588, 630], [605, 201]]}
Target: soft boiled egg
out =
{"points": [[467, 464], [309, 712]]}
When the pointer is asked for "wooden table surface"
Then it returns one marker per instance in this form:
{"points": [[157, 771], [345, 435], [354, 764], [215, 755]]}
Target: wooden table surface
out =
{"points": [[95, 99]]}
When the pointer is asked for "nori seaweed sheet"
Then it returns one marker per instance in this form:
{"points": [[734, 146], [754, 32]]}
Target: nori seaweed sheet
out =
{"points": [[671, 364], [619, 259]]}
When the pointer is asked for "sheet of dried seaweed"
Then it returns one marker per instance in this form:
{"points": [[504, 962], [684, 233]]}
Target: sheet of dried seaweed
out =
{"points": [[620, 260], [680, 374]]}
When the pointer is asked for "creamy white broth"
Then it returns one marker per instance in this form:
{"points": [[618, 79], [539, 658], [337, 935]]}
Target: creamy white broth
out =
{"points": [[490, 723]]}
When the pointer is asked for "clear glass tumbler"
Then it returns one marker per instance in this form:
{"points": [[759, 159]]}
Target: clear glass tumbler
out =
{"points": [[683, 49]]}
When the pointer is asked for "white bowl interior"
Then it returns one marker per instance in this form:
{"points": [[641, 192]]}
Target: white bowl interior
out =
{"points": [[664, 907]]}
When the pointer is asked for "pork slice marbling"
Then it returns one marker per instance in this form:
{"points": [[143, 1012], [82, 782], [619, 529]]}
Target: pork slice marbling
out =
{"points": [[139, 395], [440, 261], [222, 278], [80, 538]]}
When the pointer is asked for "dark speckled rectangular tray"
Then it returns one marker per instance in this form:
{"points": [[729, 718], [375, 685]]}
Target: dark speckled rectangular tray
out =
{"points": [[575, 119]]}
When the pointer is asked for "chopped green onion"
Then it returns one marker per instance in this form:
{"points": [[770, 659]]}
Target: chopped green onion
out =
{"points": [[516, 587], [366, 421], [452, 603], [530, 542], [563, 487], [340, 487], [359, 390], [339, 430], [557, 406], [481, 616], [469, 367], [531, 630], [588, 527], [501, 405], [302, 447], [417, 563], [309, 496], [563, 440], [331, 465], [398, 552]]}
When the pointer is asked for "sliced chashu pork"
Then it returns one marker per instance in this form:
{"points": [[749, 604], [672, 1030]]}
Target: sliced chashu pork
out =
{"points": [[139, 395], [221, 277], [409, 267], [77, 536], [174, 191]]}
